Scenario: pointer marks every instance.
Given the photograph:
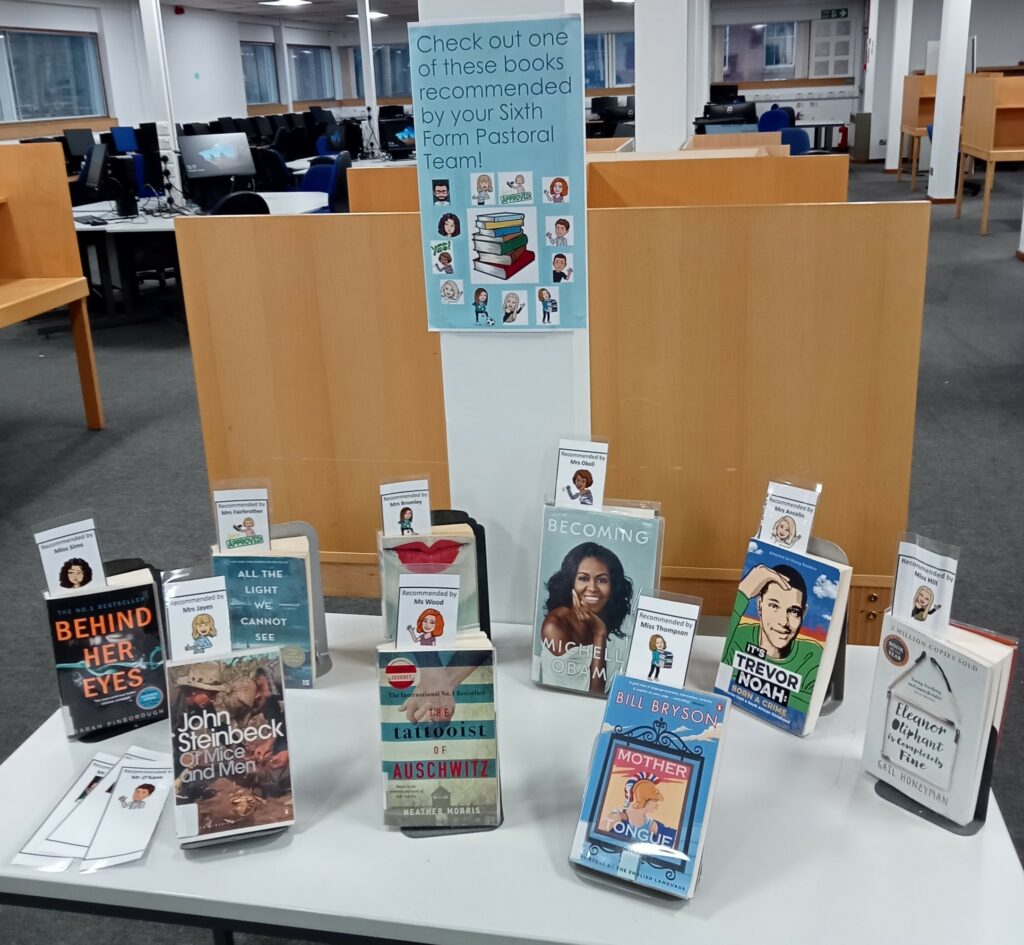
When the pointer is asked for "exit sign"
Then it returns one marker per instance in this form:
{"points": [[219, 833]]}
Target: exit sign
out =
{"points": [[840, 13]]}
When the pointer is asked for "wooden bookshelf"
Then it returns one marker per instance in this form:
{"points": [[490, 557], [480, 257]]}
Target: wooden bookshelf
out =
{"points": [[993, 131]]}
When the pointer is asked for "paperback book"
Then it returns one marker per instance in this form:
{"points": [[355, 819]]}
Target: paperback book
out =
{"points": [[651, 782], [783, 635], [439, 747], [108, 651], [229, 739], [269, 604], [936, 704], [593, 565]]}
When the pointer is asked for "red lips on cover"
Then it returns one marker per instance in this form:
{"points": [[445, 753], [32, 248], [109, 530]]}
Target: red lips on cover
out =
{"points": [[421, 558]]}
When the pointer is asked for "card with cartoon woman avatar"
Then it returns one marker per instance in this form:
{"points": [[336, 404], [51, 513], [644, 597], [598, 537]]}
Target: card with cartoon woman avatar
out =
{"points": [[580, 474], [428, 610], [922, 591], [198, 621], [71, 558], [556, 189], [482, 189], [788, 515], [663, 632], [243, 518]]}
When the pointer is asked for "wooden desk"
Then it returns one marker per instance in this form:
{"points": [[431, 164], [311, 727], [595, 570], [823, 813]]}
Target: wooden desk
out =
{"points": [[743, 139], [40, 268], [918, 113], [596, 145], [993, 131]]}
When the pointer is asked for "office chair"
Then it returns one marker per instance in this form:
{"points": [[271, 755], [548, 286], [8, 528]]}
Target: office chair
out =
{"points": [[272, 174], [774, 120], [799, 142], [240, 203], [318, 177], [337, 198], [792, 115], [971, 187]]}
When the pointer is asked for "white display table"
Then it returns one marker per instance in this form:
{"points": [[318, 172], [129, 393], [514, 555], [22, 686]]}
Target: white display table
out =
{"points": [[800, 848]]}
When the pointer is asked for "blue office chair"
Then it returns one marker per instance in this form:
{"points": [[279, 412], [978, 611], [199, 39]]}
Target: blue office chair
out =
{"points": [[773, 120], [272, 173], [318, 177], [798, 140], [337, 196], [240, 203], [322, 146]]}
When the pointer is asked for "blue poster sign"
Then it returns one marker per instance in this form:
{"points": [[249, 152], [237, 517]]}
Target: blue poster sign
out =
{"points": [[500, 144]]}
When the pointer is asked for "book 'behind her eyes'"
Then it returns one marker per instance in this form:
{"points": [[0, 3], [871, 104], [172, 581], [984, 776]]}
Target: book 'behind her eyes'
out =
{"points": [[652, 778], [229, 739]]}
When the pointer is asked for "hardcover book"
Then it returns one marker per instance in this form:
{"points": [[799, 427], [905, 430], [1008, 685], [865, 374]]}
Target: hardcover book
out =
{"points": [[593, 565], [229, 738], [505, 270], [269, 604], [935, 706], [439, 748], [783, 635], [652, 779], [108, 650]]}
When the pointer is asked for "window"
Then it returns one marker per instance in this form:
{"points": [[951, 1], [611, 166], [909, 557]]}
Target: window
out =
{"points": [[49, 75], [594, 70], [623, 47], [831, 48], [312, 73], [259, 68], [390, 71], [779, 42]]}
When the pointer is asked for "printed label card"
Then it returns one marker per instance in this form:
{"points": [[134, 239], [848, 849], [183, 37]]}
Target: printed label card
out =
{"points": [[516, 187], [428, 610], [405, 507], [663, 632], [136, 802], [71, 557], [580, 474], [243, 518], [788, 516], [925, 576], [198, 622]]}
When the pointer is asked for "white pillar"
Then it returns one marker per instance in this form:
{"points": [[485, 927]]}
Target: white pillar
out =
{"points": [[699, 51], [159, 74], [1020, 249], [870, 58], [949, 98], [508, 398], [284, 68], [660, 31], [902, 21]]}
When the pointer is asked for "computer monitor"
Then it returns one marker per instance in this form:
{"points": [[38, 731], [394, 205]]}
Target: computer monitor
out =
{"points": [[209, 156], [741, 113], [147, 138], [79, 141], [97, 162], [391, 111], [722, 94], [398, 137], [601, 103], [125, 141]]}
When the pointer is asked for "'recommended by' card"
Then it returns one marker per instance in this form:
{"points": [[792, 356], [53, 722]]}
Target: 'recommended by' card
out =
{"points": [[71, 557], [405, 507], [788, 515], [579, 478], [428, 610], [663, 632], [243, 518], [197, 618], [925, 576]]}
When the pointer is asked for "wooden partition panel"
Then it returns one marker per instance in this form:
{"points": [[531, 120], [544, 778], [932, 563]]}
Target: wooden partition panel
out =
{"points": [[740, 139], [676, 180], [596, 145], [709, 379], [37, 237], [314, 366], [918, 101], [383, 188]]}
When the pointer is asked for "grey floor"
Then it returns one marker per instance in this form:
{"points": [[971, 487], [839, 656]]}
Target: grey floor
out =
{"points": [[144, 478]]}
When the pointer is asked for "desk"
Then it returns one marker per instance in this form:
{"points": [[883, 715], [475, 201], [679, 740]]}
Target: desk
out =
{"points": [[300, 165], [822, 138], [829, 842], [102, 237]]}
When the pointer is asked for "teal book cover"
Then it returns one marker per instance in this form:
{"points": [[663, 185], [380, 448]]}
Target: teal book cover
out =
{"points": [[268, 600], [439, 748], [593, 565], [648, 796]]}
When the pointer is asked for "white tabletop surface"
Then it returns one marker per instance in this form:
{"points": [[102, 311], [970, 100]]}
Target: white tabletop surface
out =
{"points": [[799, 850], [280, 204], [301, 165]]}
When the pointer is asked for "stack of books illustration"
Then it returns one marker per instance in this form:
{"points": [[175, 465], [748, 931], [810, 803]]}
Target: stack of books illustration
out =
{"points": [[500, 245]]}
